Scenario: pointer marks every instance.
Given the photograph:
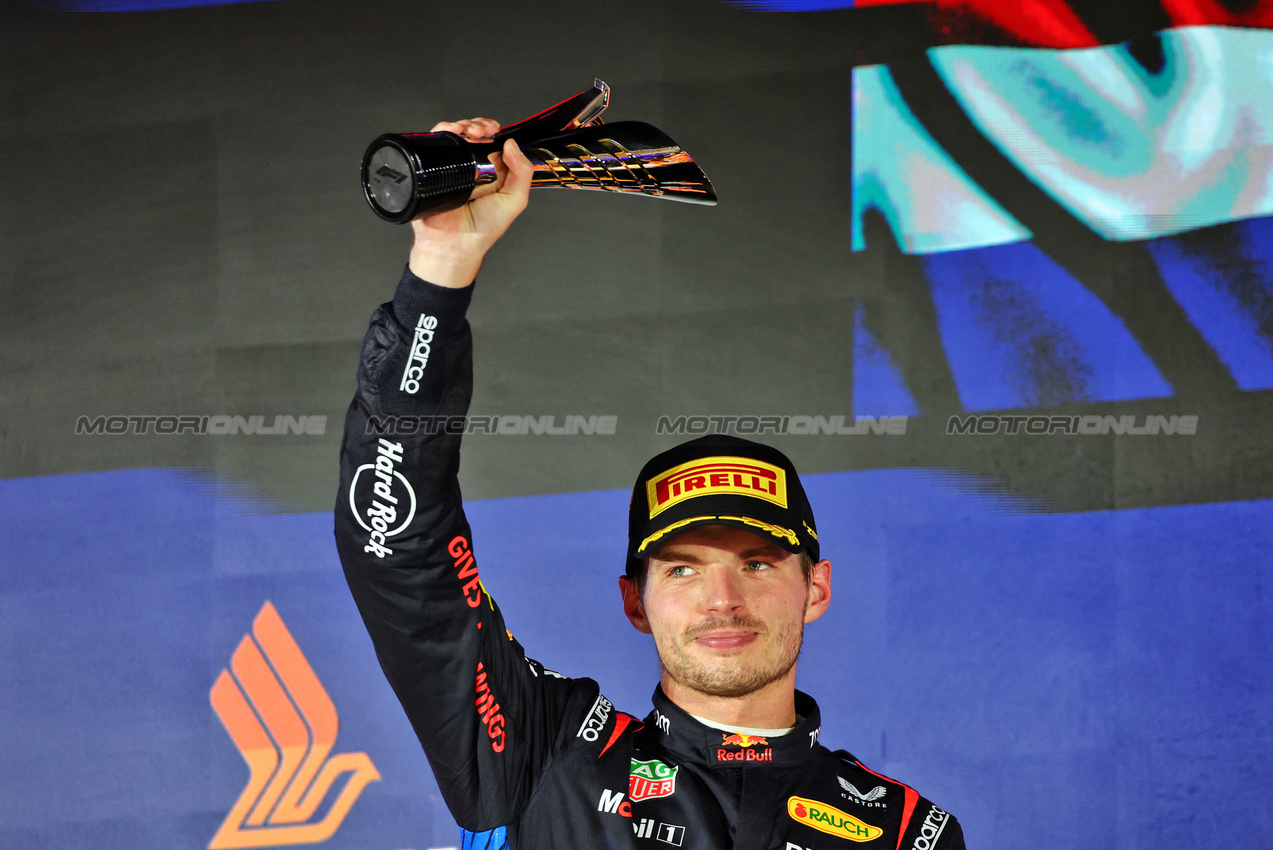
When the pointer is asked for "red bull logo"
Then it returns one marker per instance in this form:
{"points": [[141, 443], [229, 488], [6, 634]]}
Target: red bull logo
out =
{"points": [[740, 476], [751, 748], [737, 740]]}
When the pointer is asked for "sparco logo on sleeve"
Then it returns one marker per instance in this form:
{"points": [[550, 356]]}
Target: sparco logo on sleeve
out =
{"points": [[596, 719], [381, 498], [742, 476], [421, 347], [931, 829]]}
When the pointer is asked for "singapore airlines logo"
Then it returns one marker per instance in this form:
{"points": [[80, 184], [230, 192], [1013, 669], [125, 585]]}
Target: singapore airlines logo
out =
{"points": [[284, 724]]}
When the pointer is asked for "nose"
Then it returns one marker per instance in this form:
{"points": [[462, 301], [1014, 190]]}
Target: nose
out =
{"points": [[722, 591]]}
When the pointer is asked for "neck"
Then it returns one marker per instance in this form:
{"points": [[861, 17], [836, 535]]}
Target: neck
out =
{"points": [[770, 707]]}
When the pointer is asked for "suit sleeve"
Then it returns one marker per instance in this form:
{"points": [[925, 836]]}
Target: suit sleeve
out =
{"points": [[931, 828], [490, 719]]}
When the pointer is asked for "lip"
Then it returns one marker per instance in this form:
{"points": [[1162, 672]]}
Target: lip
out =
{"points": [[726, 640]]}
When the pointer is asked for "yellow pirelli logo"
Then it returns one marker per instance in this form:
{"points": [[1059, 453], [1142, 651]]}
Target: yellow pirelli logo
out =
{"points": [[739, 476], [831, 820]]}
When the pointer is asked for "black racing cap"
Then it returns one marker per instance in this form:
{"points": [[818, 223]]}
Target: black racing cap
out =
{"points": [[720, 480]]}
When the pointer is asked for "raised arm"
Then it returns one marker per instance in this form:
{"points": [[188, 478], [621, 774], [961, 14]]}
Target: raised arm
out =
{"points": [[489, 718]]}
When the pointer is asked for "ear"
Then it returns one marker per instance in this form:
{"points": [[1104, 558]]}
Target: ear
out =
{"points": [[633, 606], [819, 594]]}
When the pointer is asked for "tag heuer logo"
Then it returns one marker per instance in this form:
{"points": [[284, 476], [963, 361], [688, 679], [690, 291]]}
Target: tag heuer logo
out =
{"points": [[650, 779]]}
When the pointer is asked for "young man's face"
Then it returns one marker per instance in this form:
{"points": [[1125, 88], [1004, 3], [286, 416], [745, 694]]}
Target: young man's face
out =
{"points": [[726, 608]]}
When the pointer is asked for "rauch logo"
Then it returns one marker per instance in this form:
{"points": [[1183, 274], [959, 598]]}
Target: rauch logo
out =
{"points": [[284, 724], [831, 820]]}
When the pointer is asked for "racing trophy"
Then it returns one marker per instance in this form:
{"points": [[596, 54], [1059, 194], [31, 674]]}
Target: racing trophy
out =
{"points": [[408, 174]]}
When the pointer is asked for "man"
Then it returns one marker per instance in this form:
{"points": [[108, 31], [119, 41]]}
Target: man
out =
{"points": [[723, 571]]}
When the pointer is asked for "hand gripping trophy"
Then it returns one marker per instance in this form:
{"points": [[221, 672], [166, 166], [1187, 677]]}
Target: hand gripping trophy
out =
{"points": [[409, 174]]}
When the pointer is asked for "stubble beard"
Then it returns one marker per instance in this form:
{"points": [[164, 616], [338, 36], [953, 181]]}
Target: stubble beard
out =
{"points": [[730, 676]]}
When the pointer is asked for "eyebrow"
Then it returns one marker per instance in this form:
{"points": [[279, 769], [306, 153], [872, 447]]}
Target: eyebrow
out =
{"points": [[765, 551], [762, 551], [673, 555]]}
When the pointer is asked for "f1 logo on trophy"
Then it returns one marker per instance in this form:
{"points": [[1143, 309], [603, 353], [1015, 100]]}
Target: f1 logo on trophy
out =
{"points": [[409, 174]]}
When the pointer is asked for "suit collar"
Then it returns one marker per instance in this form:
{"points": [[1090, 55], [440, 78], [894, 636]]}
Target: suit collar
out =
{"points": [[690, 739]]}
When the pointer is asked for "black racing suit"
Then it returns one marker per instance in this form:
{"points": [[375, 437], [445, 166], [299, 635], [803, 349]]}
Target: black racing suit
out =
{"points": [[510, 742]]}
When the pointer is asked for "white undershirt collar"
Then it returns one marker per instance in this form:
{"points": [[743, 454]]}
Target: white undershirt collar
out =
{"points": [[747, 730]]}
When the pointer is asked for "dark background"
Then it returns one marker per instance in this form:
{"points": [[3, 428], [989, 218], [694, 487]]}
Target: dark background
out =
{"points": [[182, 233]]}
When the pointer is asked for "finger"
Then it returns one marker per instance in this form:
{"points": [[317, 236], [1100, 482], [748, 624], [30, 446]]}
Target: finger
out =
{"points": [[476, 129], [484, 127], [501, 167], [520, 171], [515, 158]]}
